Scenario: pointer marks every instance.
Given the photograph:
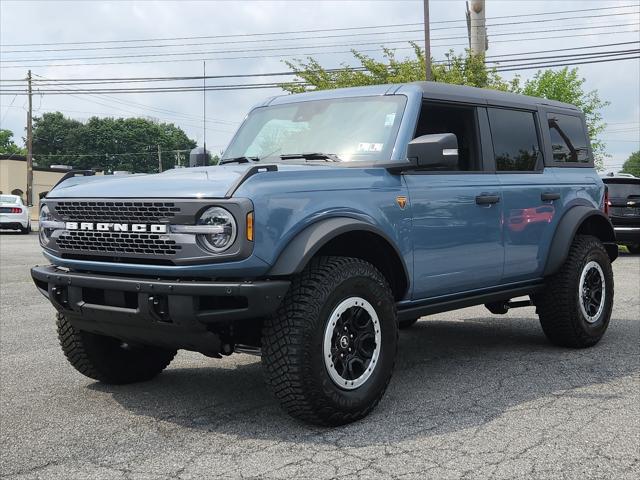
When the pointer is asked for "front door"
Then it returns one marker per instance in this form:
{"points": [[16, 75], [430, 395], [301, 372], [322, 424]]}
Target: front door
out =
{"points": [[457, 228]]}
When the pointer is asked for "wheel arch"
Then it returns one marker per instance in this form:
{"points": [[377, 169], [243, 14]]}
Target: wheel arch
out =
{"points": [[580, 220], [342, 236]]}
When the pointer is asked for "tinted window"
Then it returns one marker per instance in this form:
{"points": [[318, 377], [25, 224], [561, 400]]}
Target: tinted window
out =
{"points": [[568, 139], [623, 190], [515, 140]]}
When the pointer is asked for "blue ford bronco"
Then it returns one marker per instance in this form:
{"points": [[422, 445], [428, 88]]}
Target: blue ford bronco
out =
{"points": [[334, 219]]}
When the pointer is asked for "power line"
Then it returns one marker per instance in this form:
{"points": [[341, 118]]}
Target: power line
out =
{"points": [[88, 81], [93, 42], [531, 66], [315, 37], [307, 54], [297, 47]]}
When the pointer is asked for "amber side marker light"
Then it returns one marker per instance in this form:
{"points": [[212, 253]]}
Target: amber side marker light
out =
{"points": [[250, 226]]}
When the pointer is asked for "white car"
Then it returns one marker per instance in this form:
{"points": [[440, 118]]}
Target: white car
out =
{"points": [[14, 214]]}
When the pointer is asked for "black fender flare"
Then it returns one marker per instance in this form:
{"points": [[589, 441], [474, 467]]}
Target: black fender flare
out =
{"points": [[295, 256], [566, 230]]}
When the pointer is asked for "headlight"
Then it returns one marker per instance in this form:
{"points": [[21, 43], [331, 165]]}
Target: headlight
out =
{"points": [[44, 233], [222, 226]]}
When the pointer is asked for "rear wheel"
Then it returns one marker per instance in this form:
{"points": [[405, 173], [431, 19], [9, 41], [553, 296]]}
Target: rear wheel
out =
{"points": [[108, 359], [329, 350], [575, 306], [25, 230]]}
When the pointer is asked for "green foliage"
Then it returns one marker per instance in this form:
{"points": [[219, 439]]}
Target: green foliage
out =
{"points": [[467, 69], [8, 146], [632, 164], [566, 86], [464, 69], [108, 143]]}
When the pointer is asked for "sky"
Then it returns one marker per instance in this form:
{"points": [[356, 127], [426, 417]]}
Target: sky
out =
{"points": [[80, 21]]}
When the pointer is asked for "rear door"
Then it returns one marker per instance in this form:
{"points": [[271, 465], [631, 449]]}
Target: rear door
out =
{"points": [[457, 230], [529, 196]]}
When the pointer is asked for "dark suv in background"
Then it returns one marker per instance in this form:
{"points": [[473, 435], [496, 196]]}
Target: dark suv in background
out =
{"points": [[624, 209]]}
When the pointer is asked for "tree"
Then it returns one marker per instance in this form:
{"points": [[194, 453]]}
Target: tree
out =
{"points": [[8, 146], [467, 69], [110, 143], [632, 164], [566, 86]]}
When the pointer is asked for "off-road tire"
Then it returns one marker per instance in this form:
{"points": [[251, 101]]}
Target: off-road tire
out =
{"points": [[558, 305], [292, 342], [634, 248], [104, 358], [404, 324]]}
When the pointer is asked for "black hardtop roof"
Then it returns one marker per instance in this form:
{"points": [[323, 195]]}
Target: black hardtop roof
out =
{"points": [[463, 93]]}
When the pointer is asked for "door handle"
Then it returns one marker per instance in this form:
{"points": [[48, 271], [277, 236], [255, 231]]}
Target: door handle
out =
{"points": [[487, 199], [549, 196]]}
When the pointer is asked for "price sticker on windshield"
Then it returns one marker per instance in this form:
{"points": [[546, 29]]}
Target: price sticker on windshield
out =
{"points": [[370, 147]]}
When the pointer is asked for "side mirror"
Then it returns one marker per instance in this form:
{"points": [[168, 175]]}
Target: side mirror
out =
{"points": [[437, 151]]}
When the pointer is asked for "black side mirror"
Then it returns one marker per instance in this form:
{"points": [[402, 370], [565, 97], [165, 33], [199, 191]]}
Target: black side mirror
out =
{"points": [[438, 151]]}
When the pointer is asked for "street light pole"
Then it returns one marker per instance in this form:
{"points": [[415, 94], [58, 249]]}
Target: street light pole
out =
{"points": [[29, 145], [427, 42]]}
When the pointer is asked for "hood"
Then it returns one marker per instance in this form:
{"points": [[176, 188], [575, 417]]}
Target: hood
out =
{"points": [[198, 182]]}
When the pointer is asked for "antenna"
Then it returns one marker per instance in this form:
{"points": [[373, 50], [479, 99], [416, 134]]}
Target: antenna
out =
{"points": [[204, 109]]}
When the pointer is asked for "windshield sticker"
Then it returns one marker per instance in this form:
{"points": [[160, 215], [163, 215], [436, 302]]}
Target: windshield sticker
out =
{"points": [[389, 119], [370, 147]]}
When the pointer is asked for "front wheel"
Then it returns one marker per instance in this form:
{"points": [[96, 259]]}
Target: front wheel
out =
{"points": [[575, 305], [329, 350]]}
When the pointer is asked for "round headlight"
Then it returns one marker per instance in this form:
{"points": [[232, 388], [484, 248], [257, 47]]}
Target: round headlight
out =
{"points": [[44, 233], [223, 229]]}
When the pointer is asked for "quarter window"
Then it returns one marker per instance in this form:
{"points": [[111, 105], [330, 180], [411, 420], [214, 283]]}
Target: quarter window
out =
{"points": [[568, 139], [515, 139]]}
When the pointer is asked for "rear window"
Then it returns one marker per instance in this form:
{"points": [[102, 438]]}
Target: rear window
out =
{"points": [[569, 142], [9, 199], [623, 190]]}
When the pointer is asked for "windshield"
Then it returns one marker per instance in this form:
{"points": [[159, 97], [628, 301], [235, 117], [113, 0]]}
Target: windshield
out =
{"points": [[354, 129]]}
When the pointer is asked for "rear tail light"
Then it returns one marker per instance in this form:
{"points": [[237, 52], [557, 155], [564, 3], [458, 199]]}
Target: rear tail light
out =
{"points": [[606, 203], [16, 210]]}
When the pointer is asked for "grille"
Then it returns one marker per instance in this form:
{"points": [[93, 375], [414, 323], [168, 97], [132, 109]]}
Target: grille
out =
{"points": [[117, 243], [131, 212]]}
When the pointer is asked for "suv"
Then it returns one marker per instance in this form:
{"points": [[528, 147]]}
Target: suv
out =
{"points": [[624, 209], [335, 218]]}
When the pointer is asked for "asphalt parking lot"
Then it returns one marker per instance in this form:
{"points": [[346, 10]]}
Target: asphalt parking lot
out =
{"points": [[473, 396]]}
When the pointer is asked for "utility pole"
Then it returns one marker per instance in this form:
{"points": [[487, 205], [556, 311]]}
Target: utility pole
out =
{"points": [[427, 42], [159, 159], [29, 145], [477, 27]]}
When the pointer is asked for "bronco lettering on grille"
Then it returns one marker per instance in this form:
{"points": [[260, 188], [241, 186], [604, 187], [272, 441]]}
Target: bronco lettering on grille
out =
{"points": [[117, 227]]}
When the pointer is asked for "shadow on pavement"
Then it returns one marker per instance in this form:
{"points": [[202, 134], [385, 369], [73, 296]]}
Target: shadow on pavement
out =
{"points": [[450, 375]]}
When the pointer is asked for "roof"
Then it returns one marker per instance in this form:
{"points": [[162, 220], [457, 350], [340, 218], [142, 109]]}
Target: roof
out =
{"points": [[429, 90]]}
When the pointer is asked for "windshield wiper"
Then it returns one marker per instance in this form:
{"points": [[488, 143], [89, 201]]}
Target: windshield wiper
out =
{"points": [[239, 160], [327, 157]]}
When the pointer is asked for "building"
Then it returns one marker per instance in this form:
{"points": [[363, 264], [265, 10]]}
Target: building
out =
{"points": [[13, 180]]}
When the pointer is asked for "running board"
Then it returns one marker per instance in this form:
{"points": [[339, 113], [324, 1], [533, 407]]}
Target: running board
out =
{"points": [[501, 296]]}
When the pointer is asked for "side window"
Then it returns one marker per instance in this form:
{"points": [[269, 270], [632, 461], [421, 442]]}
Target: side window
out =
{"points": [[459, 120], [515, 139], [568, 139]]}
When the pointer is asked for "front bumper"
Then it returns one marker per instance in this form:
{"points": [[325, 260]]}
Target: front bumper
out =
{"points": [[169, 313]]}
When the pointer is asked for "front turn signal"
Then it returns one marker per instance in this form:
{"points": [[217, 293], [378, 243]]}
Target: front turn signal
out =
{"points": [[250, 226]]}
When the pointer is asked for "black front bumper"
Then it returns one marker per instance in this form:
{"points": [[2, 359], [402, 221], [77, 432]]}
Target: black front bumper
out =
{"points": [[170, 313]]}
